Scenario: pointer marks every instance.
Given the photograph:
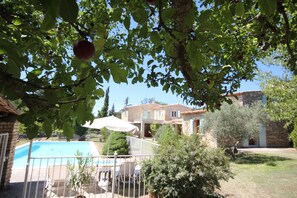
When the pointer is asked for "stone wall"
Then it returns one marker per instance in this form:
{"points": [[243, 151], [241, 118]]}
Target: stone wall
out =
{"points": [[8, 124], [277, 135], [249, 98], [246, 98]]}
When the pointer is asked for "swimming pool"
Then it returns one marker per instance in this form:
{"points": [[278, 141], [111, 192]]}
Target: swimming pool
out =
{"points": [[52, 149]]}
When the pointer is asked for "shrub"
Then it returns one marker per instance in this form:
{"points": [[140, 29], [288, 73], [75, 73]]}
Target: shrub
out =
{"points": [[80, 174], [186, 168], [105, 133], [116, 142], [154, 128], [165, 134]]}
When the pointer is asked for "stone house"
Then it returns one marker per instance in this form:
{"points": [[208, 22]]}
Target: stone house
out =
{"points": [[8, 136], [146, 114], [271, 134]]}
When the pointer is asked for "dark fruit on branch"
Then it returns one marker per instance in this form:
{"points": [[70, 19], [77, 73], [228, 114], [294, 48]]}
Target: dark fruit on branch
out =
{"points": [[83, 49]]}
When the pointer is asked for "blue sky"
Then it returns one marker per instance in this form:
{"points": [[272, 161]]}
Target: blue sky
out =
{"points": [[137, 92]]}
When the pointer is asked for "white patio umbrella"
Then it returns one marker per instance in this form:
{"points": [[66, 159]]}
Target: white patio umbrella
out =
{"points": [[112, 123]]}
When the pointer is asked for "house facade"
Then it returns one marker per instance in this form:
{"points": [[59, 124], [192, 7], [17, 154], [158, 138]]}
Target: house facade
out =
{"points": [[271, 134], [8, 136], [146, 114]]}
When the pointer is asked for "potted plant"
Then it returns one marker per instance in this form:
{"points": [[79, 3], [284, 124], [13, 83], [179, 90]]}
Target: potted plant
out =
{"points": [[80, 174]]}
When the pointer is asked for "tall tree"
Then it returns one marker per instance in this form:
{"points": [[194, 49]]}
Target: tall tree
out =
{"points": [[148, 101], [126, 102], [229, 124], [282, 101], [104, 110], [199, 50], [151, 100], [112, 111]]}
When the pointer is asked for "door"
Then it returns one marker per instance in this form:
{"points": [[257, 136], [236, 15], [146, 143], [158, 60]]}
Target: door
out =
{"points": [[3, 147]]}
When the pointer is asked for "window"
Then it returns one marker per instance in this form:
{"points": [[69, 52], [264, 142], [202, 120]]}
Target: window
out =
{"points": [[201, 130], [175, 114], [144, 115], [158, 115]]}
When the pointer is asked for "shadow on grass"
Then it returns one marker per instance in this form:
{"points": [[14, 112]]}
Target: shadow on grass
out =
{"points": [[253, 158]]}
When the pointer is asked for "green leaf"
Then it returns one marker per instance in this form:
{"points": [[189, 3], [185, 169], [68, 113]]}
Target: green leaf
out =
{"points": [[215, 46], [13, 68], [64, 110], [155, 37], [268, 7], [51, 12], [26, 118], [166, 87], [32, 131], [205, 15], [17, 22], [169, 47], [168, 13], [120, 53], [68, 130], [81, 111], [140, 15], [239, 9], [119, 75], [68, 10], [116, 14], [9, 49], [127, 22], [190, 17], [89, 85], [143, 31], [196, 58], [150, 62], [47, 127], [99, 92]]}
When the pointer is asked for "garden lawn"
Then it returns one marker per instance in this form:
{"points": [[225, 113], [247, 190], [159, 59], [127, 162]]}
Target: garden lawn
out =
{"points": [[263, 175]]}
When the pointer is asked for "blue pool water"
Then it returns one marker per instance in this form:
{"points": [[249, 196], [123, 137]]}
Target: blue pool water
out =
{"points": [[52, 149]]}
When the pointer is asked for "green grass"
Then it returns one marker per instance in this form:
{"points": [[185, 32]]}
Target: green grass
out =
{"points": [[262, 175]]}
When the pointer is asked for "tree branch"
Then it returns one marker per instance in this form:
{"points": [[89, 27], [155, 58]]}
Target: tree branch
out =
{"points": [[287, 30]]}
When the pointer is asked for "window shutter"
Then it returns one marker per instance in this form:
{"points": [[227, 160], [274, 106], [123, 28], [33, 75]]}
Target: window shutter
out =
{"points": [[191, 127], [201, 126]]}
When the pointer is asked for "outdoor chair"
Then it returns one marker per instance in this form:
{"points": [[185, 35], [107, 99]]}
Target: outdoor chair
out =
{"points": [[126, 172]]}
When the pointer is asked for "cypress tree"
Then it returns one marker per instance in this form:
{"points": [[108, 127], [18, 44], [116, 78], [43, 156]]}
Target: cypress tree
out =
{"points": [[104, 110]]}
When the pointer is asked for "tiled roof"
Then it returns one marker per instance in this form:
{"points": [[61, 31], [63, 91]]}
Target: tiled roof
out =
{"points": [[194, 111], [7, 107]]}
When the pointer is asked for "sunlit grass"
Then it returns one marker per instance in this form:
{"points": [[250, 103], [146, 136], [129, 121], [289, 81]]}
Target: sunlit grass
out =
{"points": [[262, 175]]}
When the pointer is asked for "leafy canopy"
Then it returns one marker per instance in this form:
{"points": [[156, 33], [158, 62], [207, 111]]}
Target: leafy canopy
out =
{"points": [[196, 49], [282, 100]]}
